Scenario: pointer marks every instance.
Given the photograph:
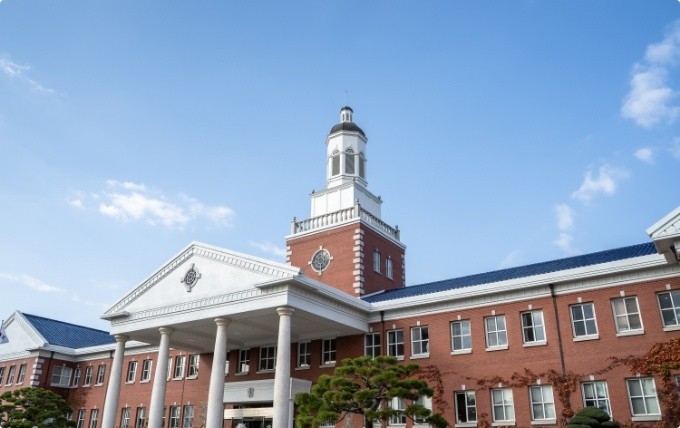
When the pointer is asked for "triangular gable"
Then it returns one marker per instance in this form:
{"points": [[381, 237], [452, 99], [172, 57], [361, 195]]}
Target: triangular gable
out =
{"points": [[22, 335], [200, 271], [666, 235]]}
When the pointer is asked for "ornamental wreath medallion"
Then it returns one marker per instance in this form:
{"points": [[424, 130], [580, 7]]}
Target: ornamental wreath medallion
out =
{"points": [[191, 278]]}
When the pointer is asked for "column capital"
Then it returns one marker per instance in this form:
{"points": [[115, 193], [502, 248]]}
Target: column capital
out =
{"points": [[166, 330], [285, 310], [121, 337], [223, 321]]}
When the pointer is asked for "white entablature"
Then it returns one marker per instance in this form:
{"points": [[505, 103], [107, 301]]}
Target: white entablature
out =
{"points": [[666, 235]]}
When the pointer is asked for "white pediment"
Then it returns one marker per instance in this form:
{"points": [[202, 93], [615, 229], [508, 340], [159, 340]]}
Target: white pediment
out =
{"points": [[21, 335], [217, 272], [666, 235]]}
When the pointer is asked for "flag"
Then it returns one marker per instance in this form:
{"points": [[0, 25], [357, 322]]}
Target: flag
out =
{"points": [[3, 335]]}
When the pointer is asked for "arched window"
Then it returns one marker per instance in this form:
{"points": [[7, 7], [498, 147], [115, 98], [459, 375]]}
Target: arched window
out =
{"points": [[349, 161], [362, 166], [335, 163]]}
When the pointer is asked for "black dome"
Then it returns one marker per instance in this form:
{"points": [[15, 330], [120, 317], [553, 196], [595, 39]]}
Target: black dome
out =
{"points": [[347, 126]]}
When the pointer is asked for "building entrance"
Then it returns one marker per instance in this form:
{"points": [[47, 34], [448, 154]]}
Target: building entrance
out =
{"points": [[254, 422]]}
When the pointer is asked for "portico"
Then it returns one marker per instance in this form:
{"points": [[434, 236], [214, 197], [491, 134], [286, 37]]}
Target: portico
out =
{"points": [[210, 300]]}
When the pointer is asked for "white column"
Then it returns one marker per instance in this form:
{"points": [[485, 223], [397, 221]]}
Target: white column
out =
{"points": [[215, 413], [160, 380], [113, 390], [282, 376]]}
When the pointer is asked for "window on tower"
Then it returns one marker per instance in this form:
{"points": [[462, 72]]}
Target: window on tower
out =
{"points": [[349, 161], [362, 166], [335, 163], [376, 261]]}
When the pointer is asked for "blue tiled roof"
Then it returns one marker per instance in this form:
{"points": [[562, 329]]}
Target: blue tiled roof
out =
{"points": [[517, 272], [69, 335]]}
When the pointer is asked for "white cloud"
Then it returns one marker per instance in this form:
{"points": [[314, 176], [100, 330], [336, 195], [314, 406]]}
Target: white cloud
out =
{"points": [[675, 148], [30, 282], [17, 71], [513, 258], [650, 99], [129, 201], [564, 242], [565, 217], [268, 248], [645, 154], [604, 183]]}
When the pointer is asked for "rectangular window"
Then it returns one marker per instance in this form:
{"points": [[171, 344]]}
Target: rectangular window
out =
{"points": [[349, 163], [395, 343], [192, 371], [389, 271], [61, 376], [335, 164], [140, 421], [503, 407], [101, 372], [22, 374], [328, 351], [304, 354], [496, 334], [461, 339], [132, 372], [399, 405], [169, 373], [627, 315], [88, 376], [376, 261], [179, 367], [243, 365], [75, 380], [466, 407], [542, 403], [146, 370], [125, 417], [533, 330], [669, 303], [583, 323], [643, 399], [267, 358], [362, 166], [174, 417], [372, 344], [2, 375], [94, 416], [425, 402], [596, 394], [226, 364], [10, 375], [420, 341], [81, 419], [188, 421]]}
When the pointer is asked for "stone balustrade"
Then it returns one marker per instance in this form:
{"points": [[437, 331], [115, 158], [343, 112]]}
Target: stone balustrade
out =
{"points": [[343, 216]]}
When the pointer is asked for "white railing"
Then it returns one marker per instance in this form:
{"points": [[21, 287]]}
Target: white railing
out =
{"points": [[343, 216]]}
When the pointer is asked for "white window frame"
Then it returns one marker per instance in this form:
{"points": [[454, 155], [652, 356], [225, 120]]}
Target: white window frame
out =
{"points": [[582, 318], [533, 328], [463, 337], [267, 358], [2, 375], [178, 372], [61, 376], [328, 352], [22, 374], [243, 363], [131, 372], [75, 379], [420, 341], [188, 417], [94, 418], [147, 365], [87, 381], [80, 423], [496, 332], [427, 403], [501, 398], [140, 417], [125, 417], [623, 316], [648, 396], [192, 369], [174, 416], [400, 405], [10, 375], [395, 343], [672, 310], [470, 402], [169, 373], [304, 354], [101, 375], [596, 394], [376, 261], [542, 402], [389, 268], [372, 346]]}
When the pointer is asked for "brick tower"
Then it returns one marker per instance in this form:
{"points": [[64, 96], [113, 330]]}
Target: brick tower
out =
{"points": [[345, 243]]}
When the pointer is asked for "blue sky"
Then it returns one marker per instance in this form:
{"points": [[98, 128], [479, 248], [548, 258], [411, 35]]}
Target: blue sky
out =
{"points": [[500, 133]]}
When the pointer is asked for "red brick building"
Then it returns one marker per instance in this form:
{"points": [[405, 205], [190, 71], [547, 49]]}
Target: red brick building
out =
{"points": [[218, 338]]}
